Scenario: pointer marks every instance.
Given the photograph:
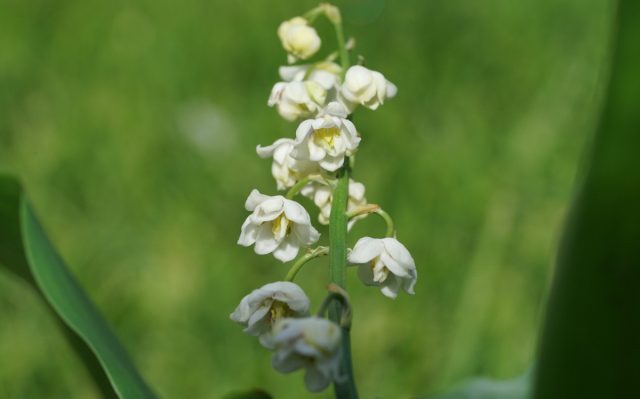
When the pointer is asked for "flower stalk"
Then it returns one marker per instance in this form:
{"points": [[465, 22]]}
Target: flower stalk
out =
{"points": [[314, 253], [346, 387]]}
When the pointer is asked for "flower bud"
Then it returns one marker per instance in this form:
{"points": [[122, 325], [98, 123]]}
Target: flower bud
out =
{"points": [[299, 39]]}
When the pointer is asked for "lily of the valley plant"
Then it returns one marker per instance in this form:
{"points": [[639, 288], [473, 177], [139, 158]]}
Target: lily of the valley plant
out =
{"points": [[317, 162]]}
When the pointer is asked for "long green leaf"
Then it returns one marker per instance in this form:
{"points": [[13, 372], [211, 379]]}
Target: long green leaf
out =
{"points": [[26, 251], [589, 346]]}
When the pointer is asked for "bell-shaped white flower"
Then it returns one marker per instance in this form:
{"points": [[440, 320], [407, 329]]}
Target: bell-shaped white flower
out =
{"points": [[366, 87], [285, 169], [277, 225], [299, 39], [297, 99], [384, 262], [327, 139], [263, 307], [322, 196], [326, 74], [310, 343]]}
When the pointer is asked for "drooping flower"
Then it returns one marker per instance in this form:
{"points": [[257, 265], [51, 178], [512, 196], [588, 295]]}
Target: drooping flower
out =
{"points": [[297, 99], [386, 263], [366, 87], [311, 343], [276, 225], [263, 307], [326, 74], [305, 89], [299, 39], [327, 139], [285, 169], [322, 196]]}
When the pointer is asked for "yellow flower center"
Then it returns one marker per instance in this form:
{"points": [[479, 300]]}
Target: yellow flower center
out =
{"points": [[281, 226], [325, 137]]}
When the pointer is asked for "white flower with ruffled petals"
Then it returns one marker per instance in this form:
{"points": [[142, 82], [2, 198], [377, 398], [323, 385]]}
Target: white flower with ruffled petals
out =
{"points": [[263, 307], [285, 169], [299, 39], [297, 99], [366, 87], [310, 343], [322, 196], [326, 74], [277, 225], [386, 263], [327, 139]]}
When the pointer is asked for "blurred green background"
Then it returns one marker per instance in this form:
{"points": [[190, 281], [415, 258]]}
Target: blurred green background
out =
{"points": [[133, 125]]}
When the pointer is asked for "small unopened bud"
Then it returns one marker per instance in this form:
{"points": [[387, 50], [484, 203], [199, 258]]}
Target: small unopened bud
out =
{"points": [[299, 39]]}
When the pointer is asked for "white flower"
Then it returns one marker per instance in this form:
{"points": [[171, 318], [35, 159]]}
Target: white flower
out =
{"points": [[310, 343], [259, 311], [326, 74], [297, 99], [326, 139], [299, 39], [384, 262], [322, 196], [366, 87], [305, 89], [285, 169], [276, 225]]}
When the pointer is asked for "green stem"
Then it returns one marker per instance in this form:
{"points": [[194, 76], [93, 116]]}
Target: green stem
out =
{"points": [[317, 252], [342, 47], [373, 208], [391, 230], [295, 189], [338, 263]]}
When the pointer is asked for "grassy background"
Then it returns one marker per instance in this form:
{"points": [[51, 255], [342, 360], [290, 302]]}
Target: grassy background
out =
{"points": [[133, 125]]}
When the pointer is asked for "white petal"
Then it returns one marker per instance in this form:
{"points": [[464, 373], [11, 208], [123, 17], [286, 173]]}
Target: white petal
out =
{"points": [[296, 212], [265, 241], [266, 152], [303, 130], [292, 72], [305, 234], [335, 108], [269, 209], [332, 164], [287, 251], [399, 252], [248, 233], [254, 199], [393, 265], [391, 287], [315, 381], [356, 190], [365, 250]]}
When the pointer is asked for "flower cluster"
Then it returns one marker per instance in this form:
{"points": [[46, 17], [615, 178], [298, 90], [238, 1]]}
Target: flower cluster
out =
{"points": [[322, 95]]}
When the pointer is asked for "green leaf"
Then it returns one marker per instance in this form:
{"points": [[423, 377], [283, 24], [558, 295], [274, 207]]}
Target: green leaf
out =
{"points": [[484, 388], [26, 251], [589, 344]]}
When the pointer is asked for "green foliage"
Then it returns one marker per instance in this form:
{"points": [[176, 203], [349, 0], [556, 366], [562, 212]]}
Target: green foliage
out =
{"points": [[133, 126], [589, 341], [26, 251], [485, 388]]}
